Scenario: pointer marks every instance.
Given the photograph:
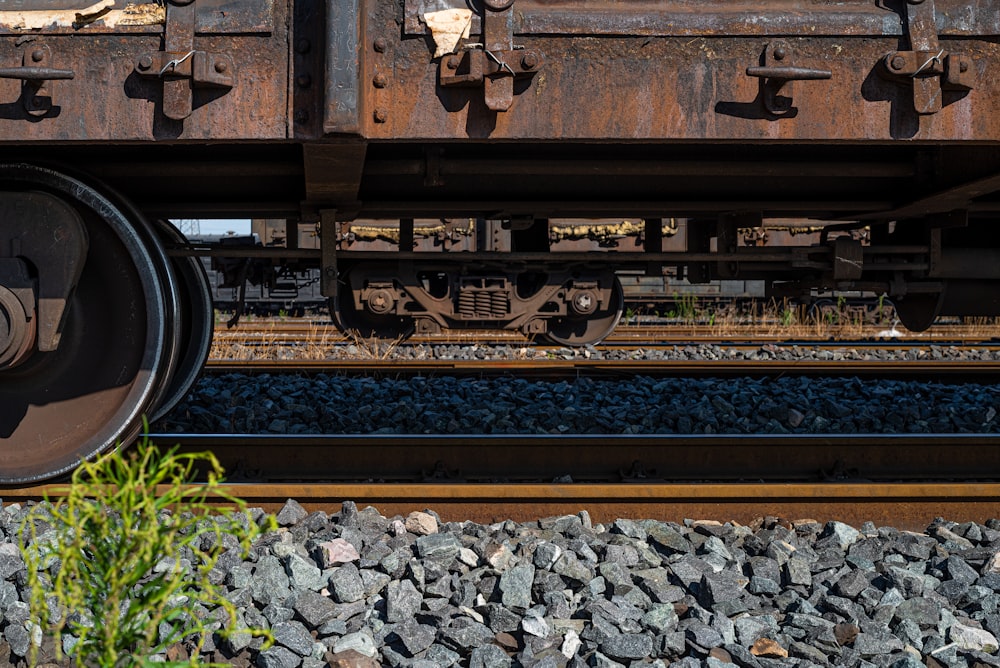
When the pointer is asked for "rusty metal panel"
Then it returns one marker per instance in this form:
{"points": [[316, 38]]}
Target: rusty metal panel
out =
{"points": [[110, 85], [677, 18], [130, 16], [715, 78], [342, 113]]}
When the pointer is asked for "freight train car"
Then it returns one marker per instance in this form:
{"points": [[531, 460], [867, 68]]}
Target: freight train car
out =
{"points": [[117, 114], [264, 286]]}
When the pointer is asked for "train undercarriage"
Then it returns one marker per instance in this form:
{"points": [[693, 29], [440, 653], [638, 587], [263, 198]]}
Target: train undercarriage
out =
{"points": [[538, 116]]}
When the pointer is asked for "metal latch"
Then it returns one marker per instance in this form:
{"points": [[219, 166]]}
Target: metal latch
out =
{"points": [[930, 68], [180, 66], [495, 63], [37, 75], [777, 74]]}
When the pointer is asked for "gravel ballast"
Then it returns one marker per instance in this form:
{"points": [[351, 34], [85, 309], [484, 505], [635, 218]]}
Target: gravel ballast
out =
{"points": [[327, 404], [358, 589]]}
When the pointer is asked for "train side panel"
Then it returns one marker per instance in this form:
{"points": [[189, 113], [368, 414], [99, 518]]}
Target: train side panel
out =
{"points": [[121, 71], [675, 70]]}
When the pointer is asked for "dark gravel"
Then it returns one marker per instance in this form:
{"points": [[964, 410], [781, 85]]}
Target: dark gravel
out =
{"points": [[350, 405], [358, 589]]}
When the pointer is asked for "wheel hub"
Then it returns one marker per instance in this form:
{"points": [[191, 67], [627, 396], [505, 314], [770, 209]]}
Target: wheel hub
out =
{"points": [[380, 301], [17, 321], [584, 302]]}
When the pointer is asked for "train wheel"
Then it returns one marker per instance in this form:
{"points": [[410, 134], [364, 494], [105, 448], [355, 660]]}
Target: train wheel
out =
{"points": [[918, 311], [196, 317], [591, 329], [367, 323], [88, 392]]}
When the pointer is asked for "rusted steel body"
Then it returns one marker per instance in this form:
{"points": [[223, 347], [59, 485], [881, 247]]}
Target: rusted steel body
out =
{"points": [[656, 105]]}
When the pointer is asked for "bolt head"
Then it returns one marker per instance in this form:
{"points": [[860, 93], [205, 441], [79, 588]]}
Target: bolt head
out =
{"points": [[897, 62], [303, 46], [529, 61], [303, 80], [380, 115], [963, 66], [380, 80], [301, 116], [453, 62], [379, 44], [221, 67], [145, 62], [779, 53], [38, 55]]}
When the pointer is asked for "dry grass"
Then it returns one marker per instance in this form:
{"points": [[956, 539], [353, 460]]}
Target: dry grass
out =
{"points": [[838, 322]]}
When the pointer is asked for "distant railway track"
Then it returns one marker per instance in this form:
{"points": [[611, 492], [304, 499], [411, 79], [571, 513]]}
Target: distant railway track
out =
{"points": [[952, 371], [902, 480], [264, 333]]}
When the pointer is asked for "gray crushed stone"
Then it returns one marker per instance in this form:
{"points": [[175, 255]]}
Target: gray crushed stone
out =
{"points": [[328, 404], [564, 592]]}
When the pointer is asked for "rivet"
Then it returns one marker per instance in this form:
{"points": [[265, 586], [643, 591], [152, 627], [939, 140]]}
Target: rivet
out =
{"points": [[379, 44], [303, 46], [38, 55], [145, 62], [898, 62], [379, 80], [779, 53], [303, 80], [221, 67], [963, 66], [453, 62], [529, 61], [380, 115]]}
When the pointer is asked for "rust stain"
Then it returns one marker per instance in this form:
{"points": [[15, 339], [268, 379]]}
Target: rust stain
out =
{"points": [[135, 14], [144, 14]]}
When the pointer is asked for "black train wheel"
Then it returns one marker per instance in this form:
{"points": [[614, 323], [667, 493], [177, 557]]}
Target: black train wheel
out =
{"points": [[359, 322], [592, 329], [90, 392], [196, 319]]}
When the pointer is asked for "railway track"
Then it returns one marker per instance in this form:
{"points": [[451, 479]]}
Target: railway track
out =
{"points": [[899, 480], [952, 371], [262, 333]]}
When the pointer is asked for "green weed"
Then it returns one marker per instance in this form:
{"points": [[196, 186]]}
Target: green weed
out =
{"points": [[120, 567]]}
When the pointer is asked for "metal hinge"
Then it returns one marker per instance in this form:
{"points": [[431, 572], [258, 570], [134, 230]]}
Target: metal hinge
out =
{"points": [[929, 68], [495, 63], [180, 66]]}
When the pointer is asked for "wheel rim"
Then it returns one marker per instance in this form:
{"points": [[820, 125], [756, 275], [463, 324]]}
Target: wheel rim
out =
{"points": [[197, 319], [591, 330], [355, 322], [917, 312], [90, 393]]}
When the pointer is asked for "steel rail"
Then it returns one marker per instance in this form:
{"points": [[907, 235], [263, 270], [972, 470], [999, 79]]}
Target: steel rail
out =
{"points": [[625, 333], [637, 458], [902, 480], [952, 371], [909, 506]]}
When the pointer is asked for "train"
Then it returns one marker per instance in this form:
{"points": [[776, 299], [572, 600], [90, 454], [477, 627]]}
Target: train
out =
{"points": [[519, 115], [264, 287]]}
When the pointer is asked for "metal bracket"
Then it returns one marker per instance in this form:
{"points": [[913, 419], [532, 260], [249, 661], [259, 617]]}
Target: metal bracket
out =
{"points": [[494, 64], [180, 66], [930, 68], [37, 75], [778, 74]]}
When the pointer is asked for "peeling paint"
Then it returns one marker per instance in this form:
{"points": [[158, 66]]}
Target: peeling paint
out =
{"points": [[448, 27], [100, 13]]}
